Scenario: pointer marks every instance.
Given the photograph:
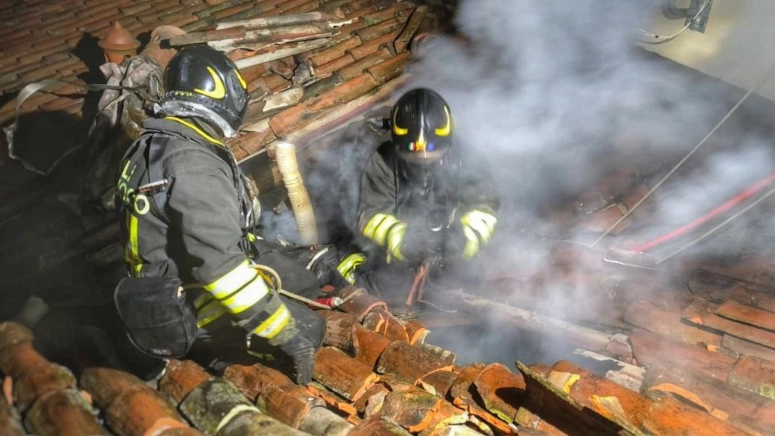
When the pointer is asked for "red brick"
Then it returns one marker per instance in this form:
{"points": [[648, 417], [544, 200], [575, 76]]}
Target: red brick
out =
{"points": [[714, 396], [377, 30], [63, 104], [99, 10], [222, 14], [62, 412], [10, 36], [180, 21], [377, 425], [31, 21], [329, 68], [46, 378], [410, 362], [305, 7], [181, 378], [45, 43], [269, 4], [501, 390], [396, 10], [754, 375], [358, 67], [649, 348], [348, 30], [45, 71], [384, 323], [37, 55], [252, 380], [107, 15], [343, 374], [389, 69], [370, 47], [359, 10], [645, 315], [277, 82], [135, 9], [703, 313], [414, 410], [741, 346]]}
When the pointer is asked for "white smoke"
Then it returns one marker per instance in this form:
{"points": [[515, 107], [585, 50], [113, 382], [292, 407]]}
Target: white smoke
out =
{"points": [[556, 95]]}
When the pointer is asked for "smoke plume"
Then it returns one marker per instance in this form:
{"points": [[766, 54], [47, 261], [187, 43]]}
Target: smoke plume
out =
{"points": [[553, 96]]}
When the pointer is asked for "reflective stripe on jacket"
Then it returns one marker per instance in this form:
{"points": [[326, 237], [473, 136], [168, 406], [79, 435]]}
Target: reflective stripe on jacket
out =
{"points": [[198, 232]]}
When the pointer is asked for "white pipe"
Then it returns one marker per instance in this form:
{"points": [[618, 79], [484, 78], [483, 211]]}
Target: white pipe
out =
{"points": [[302, 208]]}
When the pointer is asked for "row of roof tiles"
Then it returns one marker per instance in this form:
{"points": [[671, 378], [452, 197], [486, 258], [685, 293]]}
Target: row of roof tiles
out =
{"points": [[359, 59]]}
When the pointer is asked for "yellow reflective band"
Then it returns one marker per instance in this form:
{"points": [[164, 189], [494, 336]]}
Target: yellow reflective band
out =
{"points": [[472, 243], [241, 80], [274, 324], [132, 255], [231, 281], [202, 300], [246, 297], [346, 268], [209, 313], [395, 240], [197, 130], [219, 91], [444, 131], [378, 227]]}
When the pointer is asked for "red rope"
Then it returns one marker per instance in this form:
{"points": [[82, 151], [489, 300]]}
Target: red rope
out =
{"points": [[734, 201]]}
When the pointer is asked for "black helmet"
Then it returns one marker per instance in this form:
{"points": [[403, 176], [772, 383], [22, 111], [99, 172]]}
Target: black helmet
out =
{"points": [[421, 126], [202, 82]]}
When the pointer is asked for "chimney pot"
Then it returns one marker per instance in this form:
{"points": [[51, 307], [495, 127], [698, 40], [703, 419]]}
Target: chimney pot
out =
{"points": [[118, 44]]}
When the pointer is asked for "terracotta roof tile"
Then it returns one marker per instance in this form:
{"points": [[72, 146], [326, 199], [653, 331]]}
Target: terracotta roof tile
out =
{"points": [[266, 5], [357, 68], [372, 46], [135, 8], [332, 66], [304, 7], [398, 9], [320, 57], [223, 14]]}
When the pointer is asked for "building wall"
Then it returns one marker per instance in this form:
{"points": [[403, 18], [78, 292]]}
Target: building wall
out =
{"points": [[737, 46]]}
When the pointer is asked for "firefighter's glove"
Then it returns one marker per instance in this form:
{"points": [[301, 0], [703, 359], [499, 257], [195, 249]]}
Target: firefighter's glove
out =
{"points": [[301, 338], [401, 240], [478, 227], [348, 266]]}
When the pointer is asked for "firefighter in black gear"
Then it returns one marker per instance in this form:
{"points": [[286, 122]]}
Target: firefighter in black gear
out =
{"points": [[418, 198], [189, 215]]}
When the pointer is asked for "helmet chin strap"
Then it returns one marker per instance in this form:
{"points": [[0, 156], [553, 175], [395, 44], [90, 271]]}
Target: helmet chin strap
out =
{"points": [[206, 126]]}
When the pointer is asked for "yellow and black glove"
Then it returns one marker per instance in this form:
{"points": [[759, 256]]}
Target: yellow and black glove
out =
{"points": [[349, 265], [296, 329], [477, 227]]}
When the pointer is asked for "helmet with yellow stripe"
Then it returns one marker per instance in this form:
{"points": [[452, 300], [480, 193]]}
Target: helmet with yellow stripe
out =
{"points": [[421, 126], [202, 82]]}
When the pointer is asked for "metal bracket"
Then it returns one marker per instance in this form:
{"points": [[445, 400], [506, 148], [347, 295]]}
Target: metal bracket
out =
{"points": [[698, 23]]}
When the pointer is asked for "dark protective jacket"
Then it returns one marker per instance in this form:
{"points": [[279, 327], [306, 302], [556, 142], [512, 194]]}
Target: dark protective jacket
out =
{"points": [[187, 213], [434, 197]]}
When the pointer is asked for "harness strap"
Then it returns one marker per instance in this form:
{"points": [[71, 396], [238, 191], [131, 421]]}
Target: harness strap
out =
{"points": [[157, 184]]}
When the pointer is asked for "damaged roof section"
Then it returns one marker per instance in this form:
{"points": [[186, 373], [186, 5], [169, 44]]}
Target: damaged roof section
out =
{"points": [[374, 375]]}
